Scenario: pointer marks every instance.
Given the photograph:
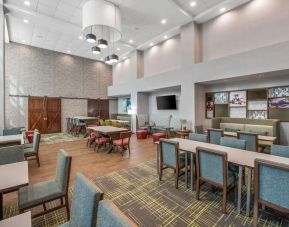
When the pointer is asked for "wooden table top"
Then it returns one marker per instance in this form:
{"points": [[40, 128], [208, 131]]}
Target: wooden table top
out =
{"points": [[13, 176], [263, 138], [107, 129], [119, 121], [23, 220], [236, 156], [12, 139], [84, 118]]}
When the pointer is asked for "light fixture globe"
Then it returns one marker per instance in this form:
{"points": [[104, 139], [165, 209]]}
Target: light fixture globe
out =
{"points": [[113, 58], [102, 44], [96, 50], [107, 60], [91, 38]]}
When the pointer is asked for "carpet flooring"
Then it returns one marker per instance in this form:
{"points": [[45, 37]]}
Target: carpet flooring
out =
{"points": [[59, 138], [150, 202]]}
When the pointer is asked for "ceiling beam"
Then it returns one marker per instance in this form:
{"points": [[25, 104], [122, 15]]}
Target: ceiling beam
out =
{"points": [[181, 9]]}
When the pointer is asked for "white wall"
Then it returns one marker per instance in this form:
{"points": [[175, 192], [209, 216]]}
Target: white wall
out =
{"points": [[256, 24], [162, 57], [153, 104], [120, 105], [2, 85]]}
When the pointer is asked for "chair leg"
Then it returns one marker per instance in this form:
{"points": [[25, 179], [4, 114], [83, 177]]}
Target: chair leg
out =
{"points": [[256, 213], [128, 147], [198, 190], [38, 161], [177, 179], [44, 207], [224, 203], [67, 207], [161, 171]]}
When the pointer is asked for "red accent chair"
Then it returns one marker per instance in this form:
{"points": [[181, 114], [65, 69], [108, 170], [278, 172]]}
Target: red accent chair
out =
{"points": [[101, 141], [123, 142], [91, 139], [141, 134], [158, 136]]}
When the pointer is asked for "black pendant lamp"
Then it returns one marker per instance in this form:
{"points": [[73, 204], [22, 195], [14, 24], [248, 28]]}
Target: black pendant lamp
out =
{"points": [[91, 38], [96, 50]]}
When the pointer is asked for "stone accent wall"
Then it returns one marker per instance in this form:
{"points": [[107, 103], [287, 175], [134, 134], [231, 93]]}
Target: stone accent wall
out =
{"points": [[39, 72]]}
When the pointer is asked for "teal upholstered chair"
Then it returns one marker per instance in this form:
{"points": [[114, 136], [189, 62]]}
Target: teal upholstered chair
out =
{"points": [[11, 154], [251, 140], [32, 153], [170, 158], [12, 131], [271, 186], [85, 199], [212, 168], [109, 215], [280, 150], [198, 137], [38, 194], [215, 135]]}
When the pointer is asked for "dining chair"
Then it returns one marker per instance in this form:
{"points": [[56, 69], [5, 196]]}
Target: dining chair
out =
{"points": [[215, 135], [101, 141], [271, 187], [11, 154], [84, 205], [199, 129], [212, 168], [251, 140], [123, 142], [280, 150], [171, 158], [198, 137], [12, 131], [80, 126], [109, 215], [41, 193], [32, 153]]}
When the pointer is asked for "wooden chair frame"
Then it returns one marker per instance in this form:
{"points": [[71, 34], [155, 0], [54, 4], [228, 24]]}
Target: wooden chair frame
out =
{"points": [[34, 156], [251, 134], [214, 130], [257, 200], [201, 180], [123, 136], [62, 205]]}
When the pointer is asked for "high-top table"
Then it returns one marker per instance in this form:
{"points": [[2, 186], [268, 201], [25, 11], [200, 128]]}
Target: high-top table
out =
{"points": [[242, 158], [12, 139], [84, 118], [23, 220], [12, 177]]}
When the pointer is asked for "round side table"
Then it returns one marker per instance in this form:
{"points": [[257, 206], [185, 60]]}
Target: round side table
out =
{"points": [[183, 133]]}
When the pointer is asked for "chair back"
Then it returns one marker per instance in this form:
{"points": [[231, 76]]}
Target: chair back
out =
{"points": [[11, 154], [271, 185], [11, 131], [110, 215], [280, 150], [198, 137], [232, 142], [169, 153], [199, 129], [85, 199], [251, 140], [215, 135], [36, 141], [125, 136], [63, 170], [212, 166]]}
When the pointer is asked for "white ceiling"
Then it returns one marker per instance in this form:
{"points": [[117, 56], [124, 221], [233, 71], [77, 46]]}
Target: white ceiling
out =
{"points": [[56, 24]]}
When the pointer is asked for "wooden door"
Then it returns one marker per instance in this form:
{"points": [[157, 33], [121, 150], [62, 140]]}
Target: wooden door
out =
{"points": [[104, 108], [98, 108], [44, 114], [92, 108]]}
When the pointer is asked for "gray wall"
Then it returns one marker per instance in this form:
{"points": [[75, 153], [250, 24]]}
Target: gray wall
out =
{"points": [[1, 68], [39, 72]]}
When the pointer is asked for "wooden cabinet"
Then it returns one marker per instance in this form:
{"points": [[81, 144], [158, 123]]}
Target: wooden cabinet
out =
{"points": [[98, 108], [44, 114]]}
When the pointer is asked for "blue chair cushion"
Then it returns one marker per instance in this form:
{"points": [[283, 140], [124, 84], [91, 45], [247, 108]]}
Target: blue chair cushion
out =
{"points": [[198, 137], [11, 154], [280, 150], [32, 195]]}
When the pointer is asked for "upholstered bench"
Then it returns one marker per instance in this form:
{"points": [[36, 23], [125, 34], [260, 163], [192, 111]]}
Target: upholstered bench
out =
{"points": [[141, 134], [158, 136]]}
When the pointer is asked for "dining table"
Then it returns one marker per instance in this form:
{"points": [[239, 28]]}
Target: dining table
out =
{"points": [[12, 177], [242, 158], [12, 139], [23, 220]]}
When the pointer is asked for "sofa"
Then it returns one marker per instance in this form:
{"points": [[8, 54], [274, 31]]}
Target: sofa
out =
{"points": [[266, 127]]}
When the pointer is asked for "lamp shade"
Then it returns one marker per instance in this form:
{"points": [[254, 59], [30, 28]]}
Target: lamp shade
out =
{"points": [[91, 38], [102, 44], [96, 50]]}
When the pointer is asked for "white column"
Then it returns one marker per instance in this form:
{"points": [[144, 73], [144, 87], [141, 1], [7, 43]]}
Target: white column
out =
{"points": [[2, 84]]}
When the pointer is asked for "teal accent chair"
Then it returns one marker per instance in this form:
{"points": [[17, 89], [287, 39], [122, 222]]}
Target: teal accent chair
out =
{"points": [[215, 135], [38, 194], [12, 131], [170, 158], [84, 206], [212, 168], [109, 215], [11, 154], [198, 137], [32, 153], [280, 150], [251, 140], [271, 187]]}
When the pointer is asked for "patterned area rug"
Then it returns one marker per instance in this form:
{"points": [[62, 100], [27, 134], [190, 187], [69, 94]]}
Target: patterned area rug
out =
{"points": [[150, 202], [59, 138]]}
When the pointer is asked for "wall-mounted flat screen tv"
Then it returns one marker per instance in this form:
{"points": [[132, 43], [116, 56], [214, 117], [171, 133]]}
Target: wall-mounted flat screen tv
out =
{"points": [[166, 102]]}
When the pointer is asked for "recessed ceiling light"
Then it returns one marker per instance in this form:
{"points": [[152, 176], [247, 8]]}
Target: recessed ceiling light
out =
{"points": [[193, 4], [80, 37], [26, 21], [151, 44], [27, 3], [68, 51], [222, 10], [118, 49], [165, 37], [163, 21], [131, 41]]}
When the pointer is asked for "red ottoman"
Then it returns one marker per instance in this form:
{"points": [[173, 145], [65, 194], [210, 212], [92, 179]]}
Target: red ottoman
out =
{"points": [[158, 136], [141, 134]]}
